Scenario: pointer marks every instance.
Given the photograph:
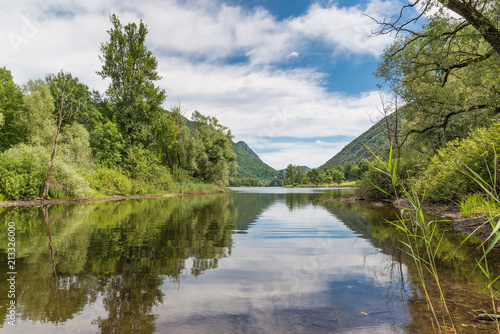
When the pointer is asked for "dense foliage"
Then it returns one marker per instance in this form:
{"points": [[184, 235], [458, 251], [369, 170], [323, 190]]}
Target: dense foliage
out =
{"points": [[447, 75]]}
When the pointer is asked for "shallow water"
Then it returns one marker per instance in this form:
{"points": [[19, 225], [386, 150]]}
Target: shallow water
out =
{"points": [[257, 260]]}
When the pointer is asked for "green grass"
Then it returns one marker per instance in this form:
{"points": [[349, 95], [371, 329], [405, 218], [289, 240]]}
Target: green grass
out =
{"points": [[475, 205], [196, 188]]}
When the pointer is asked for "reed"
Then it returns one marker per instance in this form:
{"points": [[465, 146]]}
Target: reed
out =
{"points": [[422, 243]]}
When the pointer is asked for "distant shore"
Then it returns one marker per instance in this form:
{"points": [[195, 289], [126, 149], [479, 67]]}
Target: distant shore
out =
{"points": [[52, 201]]}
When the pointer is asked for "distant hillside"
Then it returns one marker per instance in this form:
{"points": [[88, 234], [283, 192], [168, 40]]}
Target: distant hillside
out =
{"points": [[357, 150], [250, 165]]}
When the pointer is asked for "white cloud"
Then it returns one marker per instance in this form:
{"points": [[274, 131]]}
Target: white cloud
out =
{"points": [[345, 29]]}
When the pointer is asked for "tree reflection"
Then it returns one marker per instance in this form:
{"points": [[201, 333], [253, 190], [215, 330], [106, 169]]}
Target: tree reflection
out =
{"points": [[120, 253]]}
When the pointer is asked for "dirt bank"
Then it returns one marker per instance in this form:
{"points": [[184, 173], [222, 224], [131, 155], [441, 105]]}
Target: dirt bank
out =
{"points": [[451, 215]]}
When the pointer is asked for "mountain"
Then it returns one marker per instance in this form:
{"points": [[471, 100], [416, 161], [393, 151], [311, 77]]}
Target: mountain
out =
{"points": [[250, 165], [375, 139]]}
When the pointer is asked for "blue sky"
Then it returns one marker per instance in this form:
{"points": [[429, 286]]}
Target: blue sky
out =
{"points": [[293, 79]]}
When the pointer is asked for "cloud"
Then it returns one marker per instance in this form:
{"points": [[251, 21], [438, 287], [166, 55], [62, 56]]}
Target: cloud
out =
{"points": [[345, 29]]}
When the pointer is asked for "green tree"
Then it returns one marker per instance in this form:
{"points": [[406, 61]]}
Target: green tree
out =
{"points": [[39, 119], [69, 97], [347, 170], [290, 174], [316, 176], [132, 68], [216, 161], [337, 176], [301, 174], [11, 109], [363, 165], [355, 173], [107, 144]]}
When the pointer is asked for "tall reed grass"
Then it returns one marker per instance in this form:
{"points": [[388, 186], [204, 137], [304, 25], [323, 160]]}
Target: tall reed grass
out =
{"points": [[422, 243]]}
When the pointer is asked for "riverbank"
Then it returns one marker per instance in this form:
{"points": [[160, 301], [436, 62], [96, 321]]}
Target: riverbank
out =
{"points": [[476, 226], [52, 201], [450, 214]]}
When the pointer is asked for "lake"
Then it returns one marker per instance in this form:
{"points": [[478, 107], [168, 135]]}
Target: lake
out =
{"points": [[256, 260]]}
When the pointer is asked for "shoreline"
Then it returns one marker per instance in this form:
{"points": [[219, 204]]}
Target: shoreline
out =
{"points": [[53, 201], [476, 226]]}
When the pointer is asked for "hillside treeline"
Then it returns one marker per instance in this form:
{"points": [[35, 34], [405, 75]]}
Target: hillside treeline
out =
{"points": [[59, 138]]}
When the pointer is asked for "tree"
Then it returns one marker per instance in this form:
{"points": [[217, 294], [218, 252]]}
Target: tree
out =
{"points": [[337, 176], [213, 150], [132, 69], [11, 109], [39, 119], [69, 96], [355, 173], [290, 174], [301, 174], [347, 170], [316, 176], [444, 74], [363, 165], [482, 15]]}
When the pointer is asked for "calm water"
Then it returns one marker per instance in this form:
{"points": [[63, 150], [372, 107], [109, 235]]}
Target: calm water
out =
{"points": [[257, 260]]}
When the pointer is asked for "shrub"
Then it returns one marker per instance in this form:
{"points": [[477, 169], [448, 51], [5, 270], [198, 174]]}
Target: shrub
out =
{"points": [[71, 182], [447, 177], [144, 167], [375, 183], [110, 182], [22, 171]]}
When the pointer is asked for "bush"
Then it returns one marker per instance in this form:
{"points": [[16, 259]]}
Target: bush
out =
{"points": [[69, 182], [447, 177], [374, 178], [144, 167], [110, 182], [22, 171]]}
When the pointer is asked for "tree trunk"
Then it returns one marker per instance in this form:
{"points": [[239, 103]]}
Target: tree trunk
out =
{"points": [[482, 24], [46, 186]]}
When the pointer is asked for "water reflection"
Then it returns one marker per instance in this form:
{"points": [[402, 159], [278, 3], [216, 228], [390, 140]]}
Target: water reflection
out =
{"points": [[266, 260]]}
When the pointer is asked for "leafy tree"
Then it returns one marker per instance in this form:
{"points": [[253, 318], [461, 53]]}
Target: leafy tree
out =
{"points": [[132, 68], [301, 174], [482, 15], [11, 108], [337, 176], [347, 170], [364, 165], [316, 176], [69, 96], [39, 119], [215, 161], [355, 173], [107, 144], [444, 80], [290, 174]]}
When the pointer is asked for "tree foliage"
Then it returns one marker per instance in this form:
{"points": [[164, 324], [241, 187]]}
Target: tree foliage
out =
{"points": [[132, 68], [11, 109]]}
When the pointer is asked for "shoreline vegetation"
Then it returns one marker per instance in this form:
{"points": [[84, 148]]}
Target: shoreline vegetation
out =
{"points": [[53, 201]]}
